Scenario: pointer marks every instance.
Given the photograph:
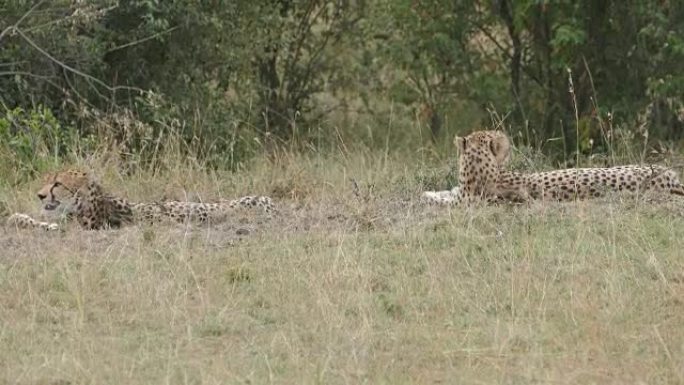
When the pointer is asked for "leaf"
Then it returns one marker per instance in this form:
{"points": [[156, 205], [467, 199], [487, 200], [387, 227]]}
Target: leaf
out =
{"points": [[568, 35]]}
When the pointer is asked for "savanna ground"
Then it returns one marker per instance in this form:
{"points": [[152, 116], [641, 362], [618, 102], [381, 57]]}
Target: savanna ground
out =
{"points": [[347, 284]]}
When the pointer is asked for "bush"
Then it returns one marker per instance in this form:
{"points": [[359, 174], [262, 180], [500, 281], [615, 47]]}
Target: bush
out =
{"points": [[33, 141]]}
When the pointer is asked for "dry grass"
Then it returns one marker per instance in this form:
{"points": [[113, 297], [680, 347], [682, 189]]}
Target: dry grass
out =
{"points": [[346, 286]]}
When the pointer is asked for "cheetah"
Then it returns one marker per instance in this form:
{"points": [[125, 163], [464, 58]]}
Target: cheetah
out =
{"points": [[76, 194], [482, 156]]}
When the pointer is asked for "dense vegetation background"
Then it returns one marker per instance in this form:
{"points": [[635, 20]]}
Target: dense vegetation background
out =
{"points": [[343, 112], [232, 78]]}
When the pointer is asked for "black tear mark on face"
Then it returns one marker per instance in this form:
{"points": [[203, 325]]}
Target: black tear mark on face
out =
{"points": [[53, 203]]}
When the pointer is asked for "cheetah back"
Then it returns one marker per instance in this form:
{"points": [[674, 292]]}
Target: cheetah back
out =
{"points": [[583, 183]]}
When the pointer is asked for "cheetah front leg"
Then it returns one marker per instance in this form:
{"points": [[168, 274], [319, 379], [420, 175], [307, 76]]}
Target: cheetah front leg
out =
{"points": [[23, 221], [514, 194], [445, 197]]}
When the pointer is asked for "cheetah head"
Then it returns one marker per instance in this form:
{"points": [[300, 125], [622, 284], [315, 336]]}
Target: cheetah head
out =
{"points": [[60, 191], [480, 157], [492, 144]]}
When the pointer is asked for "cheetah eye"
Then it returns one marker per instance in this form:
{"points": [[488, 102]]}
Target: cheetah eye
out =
{"points": [[57, 184]]}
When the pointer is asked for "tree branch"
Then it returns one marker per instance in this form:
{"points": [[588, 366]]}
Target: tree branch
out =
{"points": [[142, 40], [72, 69], [504, 50], [14, 27]]}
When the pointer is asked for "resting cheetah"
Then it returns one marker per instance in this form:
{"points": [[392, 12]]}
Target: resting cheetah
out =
{"points": [[489, 152], [482, 155], [77, 194], [583, 183]]}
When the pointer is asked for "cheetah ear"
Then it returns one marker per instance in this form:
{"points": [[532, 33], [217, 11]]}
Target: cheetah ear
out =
{"points": [[501, 148], [49, 177], [460, 144]]}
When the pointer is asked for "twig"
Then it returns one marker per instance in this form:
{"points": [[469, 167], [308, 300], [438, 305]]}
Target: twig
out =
{"points": [[74, 70], [13, 63], [504, 51], [605, 131], [355, 188], [577, 123], [23, 73], [144, 39], [64, 19], [14, 27], [29, 74]]}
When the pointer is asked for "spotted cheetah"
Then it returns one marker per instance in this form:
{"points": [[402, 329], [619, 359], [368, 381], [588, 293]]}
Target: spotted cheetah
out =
{"points": [[482, 156], [74, 193], [584, 183]]}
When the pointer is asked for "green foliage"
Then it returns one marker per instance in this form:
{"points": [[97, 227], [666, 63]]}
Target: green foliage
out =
{"points": [[30, 141], [231, 78]]}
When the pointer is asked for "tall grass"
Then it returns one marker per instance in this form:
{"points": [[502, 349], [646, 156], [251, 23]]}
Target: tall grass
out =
{"points": [[346, 287], [354, 281]]}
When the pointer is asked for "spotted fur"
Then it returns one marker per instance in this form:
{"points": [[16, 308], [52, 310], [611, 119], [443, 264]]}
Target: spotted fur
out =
{"points": [[585, 183], [76, 194], [483, 154]]}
